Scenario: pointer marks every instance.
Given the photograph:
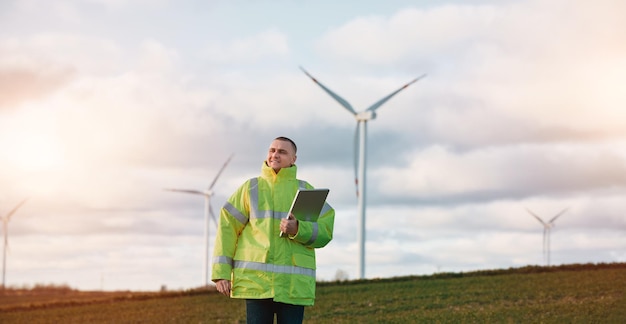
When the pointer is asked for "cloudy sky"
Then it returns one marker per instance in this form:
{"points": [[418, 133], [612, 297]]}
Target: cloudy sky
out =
{"points": [[104, 103]]}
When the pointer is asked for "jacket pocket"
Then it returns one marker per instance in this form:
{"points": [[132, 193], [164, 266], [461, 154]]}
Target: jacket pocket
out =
{"points": [[251, 254], [304, 260], [302, 286]]}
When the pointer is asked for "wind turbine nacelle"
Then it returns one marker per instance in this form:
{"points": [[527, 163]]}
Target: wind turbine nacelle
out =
{"points": [[365, 115]]}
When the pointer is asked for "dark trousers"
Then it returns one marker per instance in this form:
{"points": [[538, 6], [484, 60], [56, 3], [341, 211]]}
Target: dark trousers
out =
{"points": [[261, 311]]}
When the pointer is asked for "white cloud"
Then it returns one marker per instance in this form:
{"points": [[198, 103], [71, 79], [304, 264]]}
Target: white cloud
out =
{"points": [[520, 170], [50, 50], [266, 44], [529, 62], [123, 4], [409, 33]]}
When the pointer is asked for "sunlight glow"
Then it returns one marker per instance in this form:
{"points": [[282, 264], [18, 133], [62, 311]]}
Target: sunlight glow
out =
{"points": [[30, 147], [36, 152]]}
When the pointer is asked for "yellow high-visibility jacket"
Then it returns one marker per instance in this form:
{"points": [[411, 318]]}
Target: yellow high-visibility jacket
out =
{"points": [[249, 250]]}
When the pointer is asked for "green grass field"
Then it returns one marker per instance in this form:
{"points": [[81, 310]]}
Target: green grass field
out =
{"points": [[589, 293]]}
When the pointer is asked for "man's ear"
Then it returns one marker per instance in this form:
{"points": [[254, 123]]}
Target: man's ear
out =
{"points": [[295, 157]]}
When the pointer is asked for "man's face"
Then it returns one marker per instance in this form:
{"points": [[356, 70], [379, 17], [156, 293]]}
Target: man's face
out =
{"points": [[280, 155]]}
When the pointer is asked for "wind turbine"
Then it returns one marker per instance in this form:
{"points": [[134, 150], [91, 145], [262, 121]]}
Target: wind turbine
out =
{"points": [[5, 230], [208, 193], [360, 150], [547, 226]]}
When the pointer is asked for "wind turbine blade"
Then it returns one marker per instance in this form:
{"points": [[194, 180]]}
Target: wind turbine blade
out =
{"points": [[356, 157], [212, 215], [341, 101], [220, 172], [537, 217], [197, 192], [8, 216], [383, 100], [557, 215]]}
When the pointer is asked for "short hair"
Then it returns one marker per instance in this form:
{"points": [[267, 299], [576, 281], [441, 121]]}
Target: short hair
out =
{"points": [[286, 139]]}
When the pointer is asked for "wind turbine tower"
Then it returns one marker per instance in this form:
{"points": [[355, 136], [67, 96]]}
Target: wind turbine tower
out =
{"points": [[547, 226], [360, 150], [5, 230], [208, 193]]}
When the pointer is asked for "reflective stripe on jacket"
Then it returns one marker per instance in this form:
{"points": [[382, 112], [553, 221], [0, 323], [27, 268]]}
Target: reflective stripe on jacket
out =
{"points": [[249, 251]]}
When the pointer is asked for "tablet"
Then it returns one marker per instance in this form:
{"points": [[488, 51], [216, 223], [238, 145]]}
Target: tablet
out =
{"points": [[308, 204]]}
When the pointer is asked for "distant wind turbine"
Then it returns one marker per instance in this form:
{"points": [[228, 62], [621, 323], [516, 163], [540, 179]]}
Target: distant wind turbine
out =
{"points": [[360, 151], [5, 231], [208, 193], [547, 226]]}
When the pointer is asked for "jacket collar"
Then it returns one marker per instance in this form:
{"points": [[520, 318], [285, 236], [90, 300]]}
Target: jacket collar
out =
{"points": [[283, 174]]}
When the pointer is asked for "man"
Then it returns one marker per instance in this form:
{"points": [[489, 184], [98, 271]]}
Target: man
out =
{"points": [[276, 275]]}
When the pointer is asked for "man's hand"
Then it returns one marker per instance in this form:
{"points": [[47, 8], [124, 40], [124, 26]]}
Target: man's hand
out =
{"points": [[223, 287], [289, 225]]}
